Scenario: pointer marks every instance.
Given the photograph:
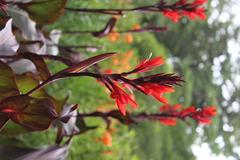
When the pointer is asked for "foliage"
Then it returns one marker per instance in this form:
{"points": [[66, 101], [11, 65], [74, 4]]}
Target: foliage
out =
{"points": [[25, 101]]}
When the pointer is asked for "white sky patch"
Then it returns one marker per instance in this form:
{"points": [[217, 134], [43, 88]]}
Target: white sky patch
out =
{"points": [[202, 151]]}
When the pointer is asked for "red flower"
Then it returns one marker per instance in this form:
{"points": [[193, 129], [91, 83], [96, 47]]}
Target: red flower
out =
{"points": [[153, 85], [182, 8], [200, 12], [148, 64], [170, 108], [169, 114], [122, 99], [168, 121], [191, 15], [199, 2], [209, 111], [203, 115], [156, 91], [172, 15], [187, 112]]}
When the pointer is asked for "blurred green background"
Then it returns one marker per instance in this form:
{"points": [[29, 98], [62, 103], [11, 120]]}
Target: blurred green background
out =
{"points": [[197, 50]]}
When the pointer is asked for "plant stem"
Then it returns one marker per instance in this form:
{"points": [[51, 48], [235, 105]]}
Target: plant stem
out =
{"points": [[147, 29], [58, 76], [133, 117], [46, 56]]}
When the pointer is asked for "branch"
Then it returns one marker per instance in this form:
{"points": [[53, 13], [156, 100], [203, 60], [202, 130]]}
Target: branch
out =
{"points": [[158, 7], [146, 29], [58, 76], [62, 59]]}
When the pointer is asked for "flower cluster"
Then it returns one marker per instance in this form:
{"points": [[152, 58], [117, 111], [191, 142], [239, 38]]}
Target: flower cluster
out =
{"points": [[182, 8], [172, 113], [154, 85], [122, 99]]}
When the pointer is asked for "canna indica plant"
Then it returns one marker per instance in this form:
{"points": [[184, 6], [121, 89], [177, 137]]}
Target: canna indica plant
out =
{"points": [[25, 106]]}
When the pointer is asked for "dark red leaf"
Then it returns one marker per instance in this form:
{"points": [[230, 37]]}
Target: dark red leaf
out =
{"points": [[87, 63], [22, 153], [39, 63], [32, 113], [3, 120], [8, 86], [9, 152]]}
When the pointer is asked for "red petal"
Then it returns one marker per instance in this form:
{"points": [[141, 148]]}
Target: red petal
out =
{"points": [[176, 107], [164, 108], [204, 120], [148, 65], [161, 99], [199, 2], [187, 112], [168, 121], [121, 107], [173, 15]]}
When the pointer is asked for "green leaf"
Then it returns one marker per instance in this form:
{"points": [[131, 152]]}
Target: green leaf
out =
{"points": [[8, 85], [32, 113], [13, 129], [44, 11], [26, 82]]}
